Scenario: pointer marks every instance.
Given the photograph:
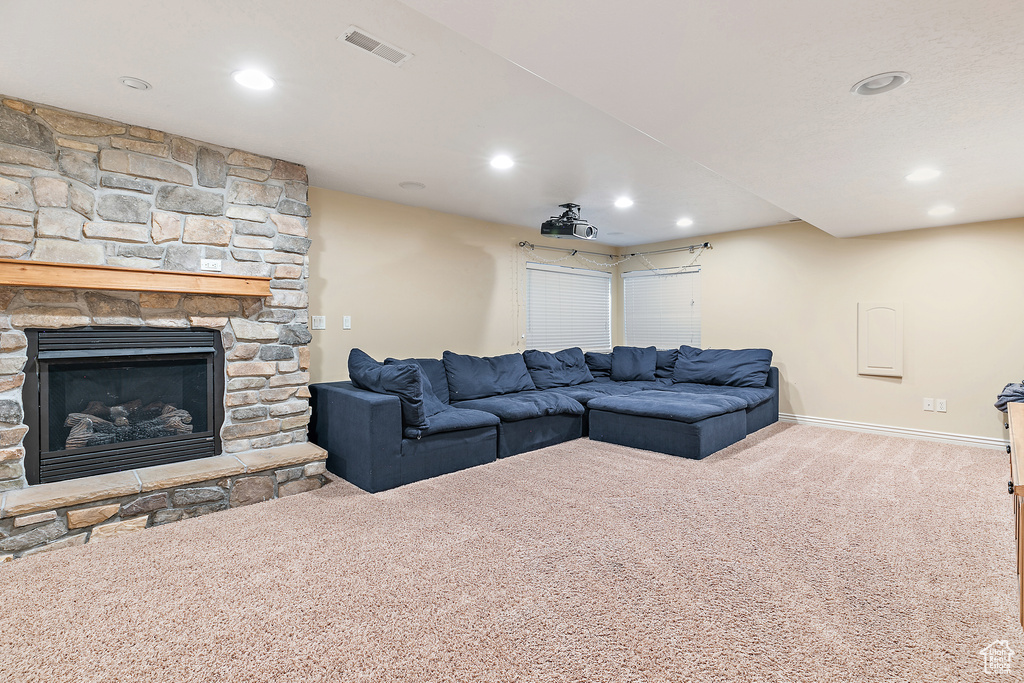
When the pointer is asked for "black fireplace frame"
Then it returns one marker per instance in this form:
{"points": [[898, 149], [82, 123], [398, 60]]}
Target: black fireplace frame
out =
{"points": [[96, 343]]}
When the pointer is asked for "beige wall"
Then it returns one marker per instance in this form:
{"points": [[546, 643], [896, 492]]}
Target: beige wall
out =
{"points": [[794, 289], [415, 281]]}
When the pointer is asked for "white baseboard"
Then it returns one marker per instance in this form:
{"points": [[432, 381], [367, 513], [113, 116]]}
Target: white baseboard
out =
{"points": [[923, 434]]}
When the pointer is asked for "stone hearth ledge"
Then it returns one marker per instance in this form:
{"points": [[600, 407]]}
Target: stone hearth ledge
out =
{"points": [[100, 487]]}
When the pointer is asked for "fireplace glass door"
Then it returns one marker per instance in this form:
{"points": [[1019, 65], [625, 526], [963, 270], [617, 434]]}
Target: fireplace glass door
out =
{"points": [[99, 404], [114, 399]]}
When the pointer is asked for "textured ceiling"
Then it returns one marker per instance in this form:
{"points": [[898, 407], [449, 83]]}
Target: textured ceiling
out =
{"points": [[736, 114]]}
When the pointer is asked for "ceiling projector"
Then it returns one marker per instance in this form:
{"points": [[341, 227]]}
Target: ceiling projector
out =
{"points": [[569, 224]]}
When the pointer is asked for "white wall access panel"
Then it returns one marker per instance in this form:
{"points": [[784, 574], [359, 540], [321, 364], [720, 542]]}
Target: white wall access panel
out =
{"points": [[880, 339]]}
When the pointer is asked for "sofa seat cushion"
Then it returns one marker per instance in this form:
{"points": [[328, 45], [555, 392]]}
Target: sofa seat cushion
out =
{"points": [[524, 405], [562, 369], [669, 405], [637, 384], [472, 377], [453, 420], [754, 396], [591, 390]]}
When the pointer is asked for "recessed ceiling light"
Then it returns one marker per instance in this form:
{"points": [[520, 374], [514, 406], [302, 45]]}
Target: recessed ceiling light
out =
{"points": [[253, 78], [880, 83], [502, 161], [942, 210], [684, 222], [411, 185], [922, 174], [623, 202], [134, 83]]}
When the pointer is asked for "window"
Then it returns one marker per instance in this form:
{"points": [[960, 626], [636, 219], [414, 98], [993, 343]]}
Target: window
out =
{"points": [[568, 307], [662, 308]]}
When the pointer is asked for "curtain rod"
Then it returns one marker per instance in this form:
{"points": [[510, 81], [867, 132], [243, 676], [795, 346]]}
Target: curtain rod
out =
{"points": [[690, 248]]}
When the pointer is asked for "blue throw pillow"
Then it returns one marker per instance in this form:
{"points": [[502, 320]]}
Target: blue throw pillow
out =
{"points": [[600, 364], [630, 363], [563, 369], [406, 381], [483, 376], [666, 363], [723, 367], [433, 368]]}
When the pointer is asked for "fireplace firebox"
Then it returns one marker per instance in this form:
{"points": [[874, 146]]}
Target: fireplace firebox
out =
{"points": [[109, 399]]}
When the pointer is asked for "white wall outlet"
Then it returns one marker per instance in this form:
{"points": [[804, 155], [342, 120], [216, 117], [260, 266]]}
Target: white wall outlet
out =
{"points": [[346, 322], [212, 264], [940, 405], [929, 404], [318, 322]]}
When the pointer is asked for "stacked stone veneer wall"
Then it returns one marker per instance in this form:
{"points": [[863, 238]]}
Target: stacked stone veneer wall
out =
{"points": [[82, 190]]}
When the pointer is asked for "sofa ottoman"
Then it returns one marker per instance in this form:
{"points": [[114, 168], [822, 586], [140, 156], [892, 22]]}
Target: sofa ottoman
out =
{"points": [[686, 425]]}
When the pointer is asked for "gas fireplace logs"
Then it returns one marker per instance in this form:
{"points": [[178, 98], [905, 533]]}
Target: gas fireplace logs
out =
{"points": [[99, 424]]}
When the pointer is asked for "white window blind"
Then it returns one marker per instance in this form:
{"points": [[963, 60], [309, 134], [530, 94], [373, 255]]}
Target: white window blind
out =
{"points": [[568, 307], [662, 308]]}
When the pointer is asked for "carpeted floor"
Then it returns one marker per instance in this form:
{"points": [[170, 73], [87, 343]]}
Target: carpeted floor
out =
{"points": [[800, 554]]}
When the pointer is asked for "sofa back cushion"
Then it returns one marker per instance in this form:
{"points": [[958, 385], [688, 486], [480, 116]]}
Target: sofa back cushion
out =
{"points": [[634, 363], [482, 376], [433, 368], [723, 367], [405, 380], [666, 364], [599, 364], [563, 369]]}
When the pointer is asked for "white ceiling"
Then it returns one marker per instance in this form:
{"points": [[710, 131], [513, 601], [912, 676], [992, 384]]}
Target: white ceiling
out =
{"points": [[737, 114]]}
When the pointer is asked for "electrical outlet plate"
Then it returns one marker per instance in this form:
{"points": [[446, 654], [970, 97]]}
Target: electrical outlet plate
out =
{"points": [[318, 322], [211, 264], [929, 404], [940, 405]]}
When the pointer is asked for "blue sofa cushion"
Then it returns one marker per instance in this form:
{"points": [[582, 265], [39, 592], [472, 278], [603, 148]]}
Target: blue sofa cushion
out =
{"points": [[724, 367], [591, 390], [666, 364], [433, 369], [472, 377], [754, 396], [600, 364], [453, 420], [407, 381], [525, 405], [562, 369], [634, 363], [670, 406]]}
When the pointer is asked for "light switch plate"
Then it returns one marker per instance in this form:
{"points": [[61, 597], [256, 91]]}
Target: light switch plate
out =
{"points": [[346, 322], [211, 264], [319, 322]]}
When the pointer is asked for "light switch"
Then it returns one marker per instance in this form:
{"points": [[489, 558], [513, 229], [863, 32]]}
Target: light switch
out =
{"points": [[346, 322], [318, 322]]}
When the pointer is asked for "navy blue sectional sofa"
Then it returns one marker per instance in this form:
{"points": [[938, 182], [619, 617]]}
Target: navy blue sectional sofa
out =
{"points": [[400, 421]]}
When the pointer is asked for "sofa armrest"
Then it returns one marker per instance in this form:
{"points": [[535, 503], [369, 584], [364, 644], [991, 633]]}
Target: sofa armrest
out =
{"points": [[774, 382], [360, 430]]}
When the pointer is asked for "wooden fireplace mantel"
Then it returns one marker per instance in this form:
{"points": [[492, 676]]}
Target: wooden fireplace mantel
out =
{"points": [[43, 274]]}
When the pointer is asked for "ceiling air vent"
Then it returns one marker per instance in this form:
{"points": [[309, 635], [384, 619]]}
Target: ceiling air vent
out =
{"points": [[375, 46]]}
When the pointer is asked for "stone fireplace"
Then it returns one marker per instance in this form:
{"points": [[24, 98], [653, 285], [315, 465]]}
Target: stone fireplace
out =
{"points": [[104, 227]]}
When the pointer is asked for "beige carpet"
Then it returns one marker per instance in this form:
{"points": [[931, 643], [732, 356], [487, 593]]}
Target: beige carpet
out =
{"points": [[800, 554]]}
